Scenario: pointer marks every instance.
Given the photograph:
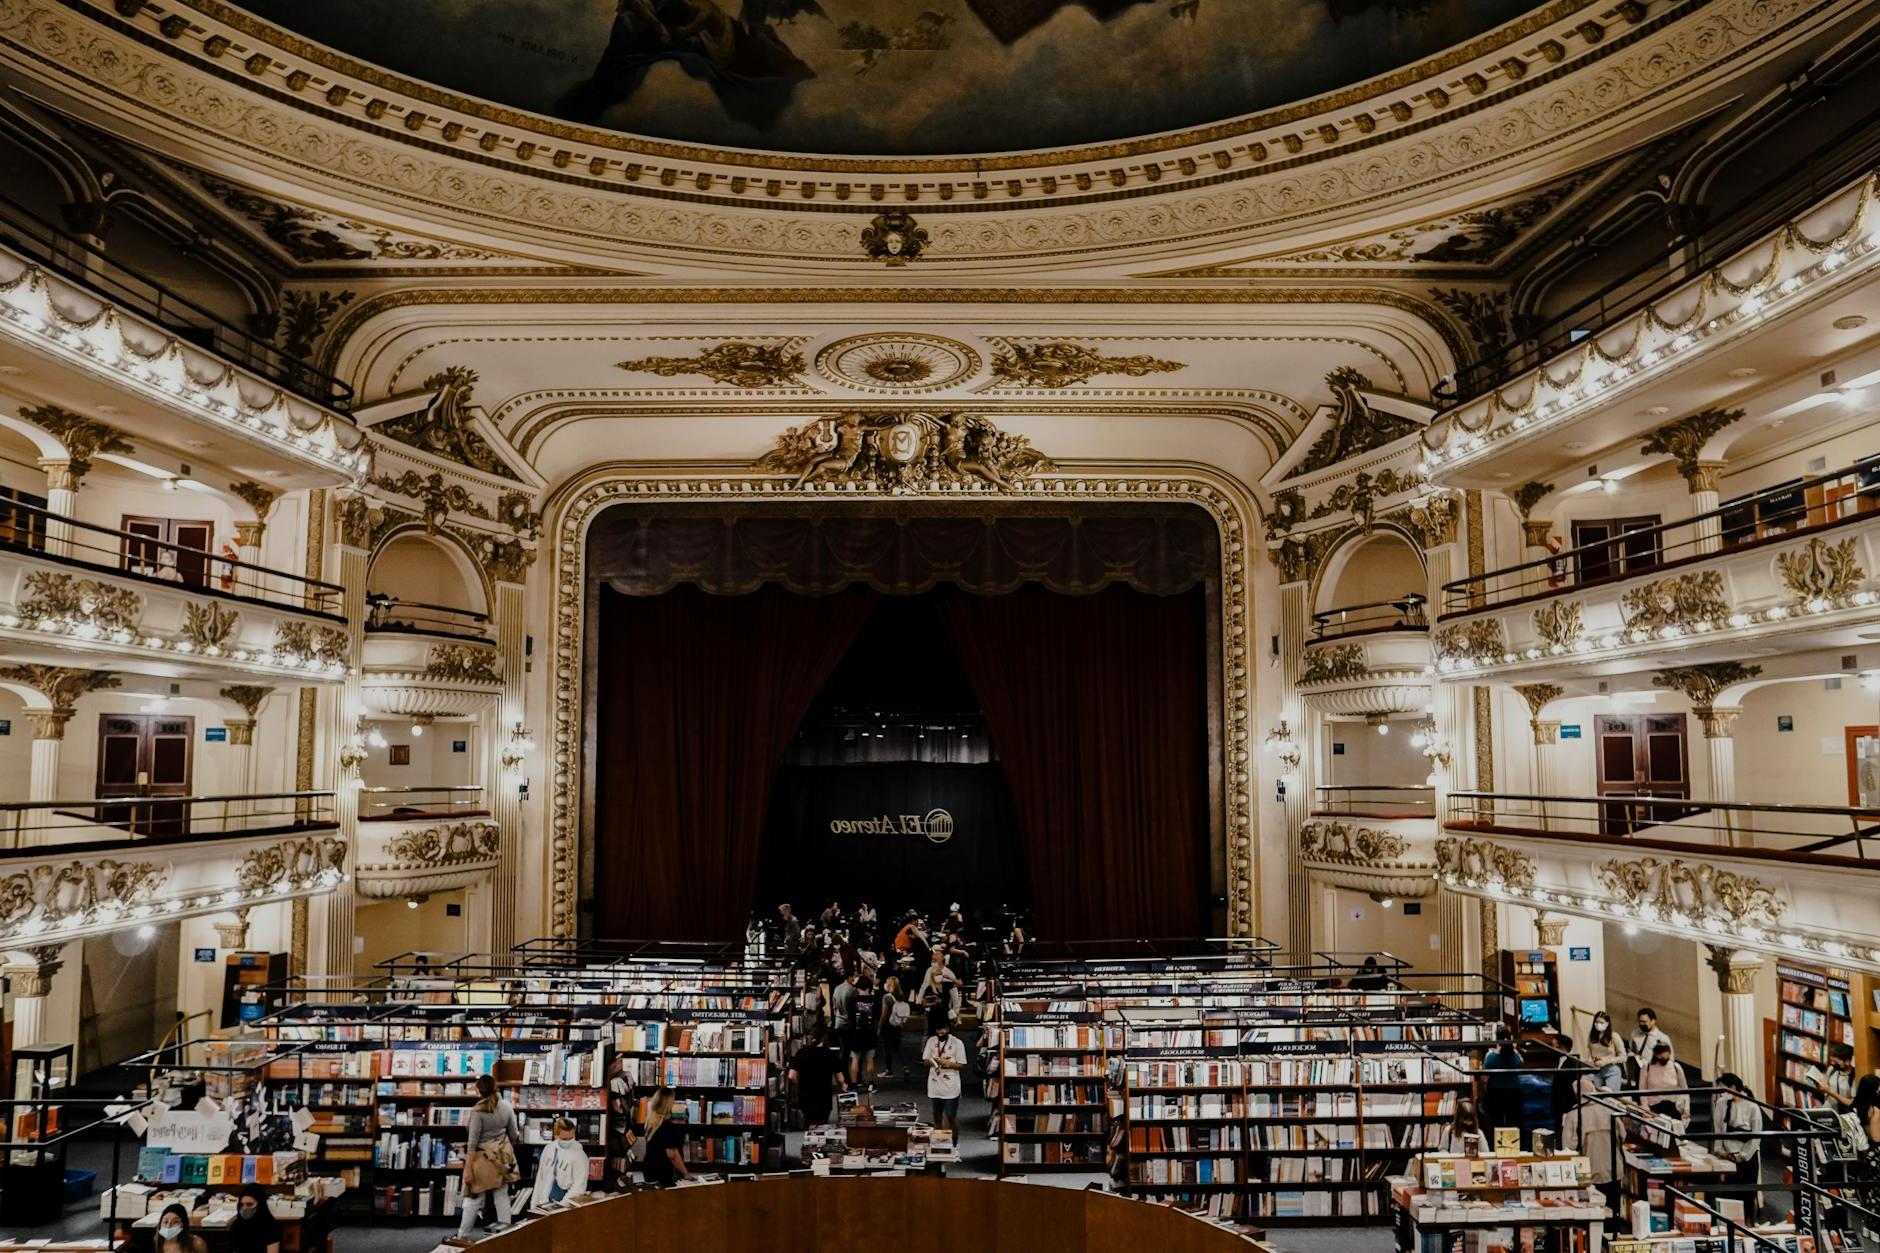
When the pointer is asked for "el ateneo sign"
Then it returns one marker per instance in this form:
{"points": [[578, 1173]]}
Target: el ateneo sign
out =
{"points": [[935, 824]]}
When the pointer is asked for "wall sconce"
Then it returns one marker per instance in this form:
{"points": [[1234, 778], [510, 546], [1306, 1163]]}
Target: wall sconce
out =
{"points": [[517, 747], [352, 754], [1280, 742], [1435, 749]]}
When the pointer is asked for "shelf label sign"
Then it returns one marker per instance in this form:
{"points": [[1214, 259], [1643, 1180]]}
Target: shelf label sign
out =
{"points": [[186, 1131]]}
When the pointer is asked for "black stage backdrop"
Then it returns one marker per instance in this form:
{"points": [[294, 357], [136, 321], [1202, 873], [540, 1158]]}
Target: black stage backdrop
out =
{"points": [[1096, 705], [805, 862]]}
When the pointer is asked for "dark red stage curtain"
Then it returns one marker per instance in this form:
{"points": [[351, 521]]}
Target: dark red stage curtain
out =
{"points": [[1097, 707], [699, 696]]}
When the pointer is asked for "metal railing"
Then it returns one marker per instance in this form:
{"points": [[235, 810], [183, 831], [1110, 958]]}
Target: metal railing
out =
{"points": [[55, 537], [1829, 834], [109, 819], [1405, 613], [1798, 507], [395, 615], [403, 804], [87, 266], [1362, 800], [1775, 200]]}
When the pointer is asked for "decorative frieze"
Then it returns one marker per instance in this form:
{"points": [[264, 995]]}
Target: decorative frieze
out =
{"points": [[1558, 624], [899, 451], [306, 642], [1348, 845], [442, 847], [1479, 639], [207, 627], [444, 428], [438, 498], [1691, 893], [1483, 863], [735, 364], [58, 895], [292, 863], [1062, 364], [366, 524], [1432, 520]]}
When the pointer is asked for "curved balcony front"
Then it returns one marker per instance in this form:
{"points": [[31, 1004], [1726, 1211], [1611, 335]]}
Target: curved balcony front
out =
{"points": [[1368, 661], [417, 674]]}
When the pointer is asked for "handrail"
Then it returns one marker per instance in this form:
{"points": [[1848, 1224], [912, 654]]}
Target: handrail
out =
{"points": [[85, 265], [1399, 613], [1345, 799], [395, 615], [144, 819], [1558, 571], [9, 806], [447, 803], [62, 539], [1732, 827], [1774, 201]]}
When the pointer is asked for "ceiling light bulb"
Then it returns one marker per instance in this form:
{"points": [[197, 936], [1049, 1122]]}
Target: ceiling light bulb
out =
{"points": [[417, 729], [1609, 485], [1383, 728]]}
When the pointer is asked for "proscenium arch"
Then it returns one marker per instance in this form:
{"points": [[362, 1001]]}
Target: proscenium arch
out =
{"points": [[573, 507]]}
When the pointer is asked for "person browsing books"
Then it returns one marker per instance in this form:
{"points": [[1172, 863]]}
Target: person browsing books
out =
{"points": [[562, 1170], [945, 1057], [174, 1235], [491, 1135], [1664, 1075], [816, 1072], [665, 1142], [255, 1229]]}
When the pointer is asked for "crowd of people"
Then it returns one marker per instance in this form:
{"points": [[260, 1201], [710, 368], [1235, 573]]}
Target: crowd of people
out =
{"points": [[867, 977]]}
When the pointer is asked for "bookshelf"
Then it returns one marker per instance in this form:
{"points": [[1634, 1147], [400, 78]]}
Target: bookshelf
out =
{"points": [[1816, 1008], [1530, 1003], [1247, 1118], [1052, 1112], [1535, 1203]]}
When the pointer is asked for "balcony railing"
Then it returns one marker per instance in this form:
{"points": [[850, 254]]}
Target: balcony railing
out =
{"points": [[1829, 835], [1406, 613], [85, 265], [1362, 800], [394, 614], [408, 804], [156, 819], [1798, 507], [27, 528], [1774, 200]]}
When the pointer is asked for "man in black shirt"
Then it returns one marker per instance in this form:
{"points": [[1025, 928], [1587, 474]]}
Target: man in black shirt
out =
{"points": [[816, 1071]]}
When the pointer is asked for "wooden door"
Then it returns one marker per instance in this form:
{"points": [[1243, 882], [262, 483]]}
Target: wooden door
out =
{"points": [[169, 548], [1863, 766], [148, 760], [1640, 755], [1624, 546]]}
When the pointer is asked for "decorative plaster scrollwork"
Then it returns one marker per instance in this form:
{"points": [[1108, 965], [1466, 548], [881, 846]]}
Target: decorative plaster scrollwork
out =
{"points": [[1821, 571], [438, 847], [1483, 862], [1066, 365], [1351, 846], [1334, 663], [1680, 602], [56, 895], [209, 626], [902, 450], [1688, 893], [1559, 624], [1480, 639], [307, 642], [460, 663], [52, 597], [292, 863], [735, 364]]}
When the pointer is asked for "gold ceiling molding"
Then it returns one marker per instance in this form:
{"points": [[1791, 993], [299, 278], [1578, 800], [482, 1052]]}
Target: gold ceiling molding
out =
{"points": [[575, 506], [1404, 79], [365, 310], [734, 363], [277, 120], [83, 437], [901, 451], [445, 428], [1064, 364]]}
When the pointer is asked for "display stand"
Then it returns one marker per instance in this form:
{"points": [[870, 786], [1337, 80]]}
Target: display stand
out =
{"points": [[1533, 1202], [32, 1181]]}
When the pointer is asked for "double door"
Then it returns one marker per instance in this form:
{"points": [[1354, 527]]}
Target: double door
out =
{"points": [[144, 766], [1641, 755]]}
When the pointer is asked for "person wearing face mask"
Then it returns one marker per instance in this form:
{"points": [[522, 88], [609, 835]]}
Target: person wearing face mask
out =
{"points": [[174, 1235], [1604, 1053], [1643, 1044], [945, 1056], [1664, 1075], [255, 1229], [491, 1135], [1738, 1121], [562, 1171]]}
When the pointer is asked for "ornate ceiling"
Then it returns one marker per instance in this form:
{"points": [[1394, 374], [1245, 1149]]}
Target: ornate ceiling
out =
{"points": [[873, 77]]}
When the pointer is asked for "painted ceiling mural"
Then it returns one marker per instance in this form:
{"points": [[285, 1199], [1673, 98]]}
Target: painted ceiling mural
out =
{"points": [[891, 77]]}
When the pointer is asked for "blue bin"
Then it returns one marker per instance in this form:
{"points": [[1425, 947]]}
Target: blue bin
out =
{"points": [[78, 1185]]}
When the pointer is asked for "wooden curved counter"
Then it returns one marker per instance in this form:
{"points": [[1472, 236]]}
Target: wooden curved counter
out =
{"points": [[836, 1215]]}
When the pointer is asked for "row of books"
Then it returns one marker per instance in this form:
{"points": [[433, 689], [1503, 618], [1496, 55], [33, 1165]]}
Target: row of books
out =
{"points": [[705, 1037], [159, 1165], [1057, 1036], [1068, 1066], [697, 1072], [1437, 1173], [1049, 1124], [745, 1111], [1054, 1094], [420, 1200], [1203, 1170], [1051, 1153], [731, 1150], [426, 1152]]}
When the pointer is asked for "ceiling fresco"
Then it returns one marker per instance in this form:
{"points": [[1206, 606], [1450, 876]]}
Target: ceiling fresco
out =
{"points": [[877, 77]]}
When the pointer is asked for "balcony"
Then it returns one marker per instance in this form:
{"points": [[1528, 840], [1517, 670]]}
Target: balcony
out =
{"points": [[89, 867], [418, 840], [72, 593], [1796, 880], [1380, 840], [1791, 562], [423, 660], [1581, 380], [1368, 661], [125, 340]]}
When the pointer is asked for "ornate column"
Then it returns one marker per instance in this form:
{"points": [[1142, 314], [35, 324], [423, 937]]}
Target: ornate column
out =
{"points": [[505, 787], [241, 739], [233, 934], [61, 499], [1449, 705], [1736, 978], [1550, 930], [1546, 738], [334, 912], [1534, 531], [1295, 616], [248, 536], [1702, 685], [62, 687], [1685, 440], [31, 973]]}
